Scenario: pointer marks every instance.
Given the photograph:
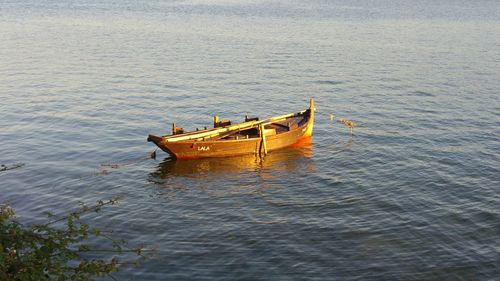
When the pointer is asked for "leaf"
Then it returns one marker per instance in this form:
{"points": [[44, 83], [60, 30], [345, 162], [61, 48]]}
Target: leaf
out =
{"points": [[51, 251], [83, 248]]}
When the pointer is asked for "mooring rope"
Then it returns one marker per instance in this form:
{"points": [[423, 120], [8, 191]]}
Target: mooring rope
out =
{"points": [[344, 121], [150, 155]]}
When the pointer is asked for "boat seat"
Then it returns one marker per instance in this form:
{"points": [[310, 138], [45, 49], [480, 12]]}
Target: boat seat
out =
{"points": [[248, 119]]}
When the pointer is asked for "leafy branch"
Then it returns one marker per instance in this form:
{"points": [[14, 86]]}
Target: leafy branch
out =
{"points": [[57, 250]]}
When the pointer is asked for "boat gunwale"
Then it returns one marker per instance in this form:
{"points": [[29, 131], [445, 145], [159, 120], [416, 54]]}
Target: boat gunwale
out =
{"points": [[252, 124]]}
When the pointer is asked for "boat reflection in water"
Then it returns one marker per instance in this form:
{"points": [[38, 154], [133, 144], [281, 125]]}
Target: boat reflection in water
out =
{"points": [[288, 159]]}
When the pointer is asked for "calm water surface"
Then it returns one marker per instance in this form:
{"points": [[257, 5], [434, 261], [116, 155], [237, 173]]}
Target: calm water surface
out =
{"points": [[413, 195]]}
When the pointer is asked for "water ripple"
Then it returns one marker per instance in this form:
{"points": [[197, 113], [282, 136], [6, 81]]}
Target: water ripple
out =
{"points": [[411, 195]]}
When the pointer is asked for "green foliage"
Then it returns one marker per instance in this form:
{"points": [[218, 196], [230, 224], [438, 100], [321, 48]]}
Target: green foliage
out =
{"points": [[56, 250]]}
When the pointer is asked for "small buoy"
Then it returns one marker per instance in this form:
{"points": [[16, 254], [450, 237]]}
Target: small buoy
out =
{"points": [[332, 117]]}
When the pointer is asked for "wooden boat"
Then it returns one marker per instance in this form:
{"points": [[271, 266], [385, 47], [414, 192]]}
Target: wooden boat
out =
{"points": [[251, 136]]}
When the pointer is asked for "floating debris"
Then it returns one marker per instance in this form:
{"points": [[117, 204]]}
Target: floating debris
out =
{"points": [[112, 166], [348, 124], [11, 167]]}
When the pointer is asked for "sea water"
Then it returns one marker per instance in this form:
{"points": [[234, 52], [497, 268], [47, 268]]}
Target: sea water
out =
{"points": [[413, 194]]}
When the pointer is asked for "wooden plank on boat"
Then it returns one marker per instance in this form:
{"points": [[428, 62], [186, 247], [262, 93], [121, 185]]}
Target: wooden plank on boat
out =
{"points": [[263, 146]]}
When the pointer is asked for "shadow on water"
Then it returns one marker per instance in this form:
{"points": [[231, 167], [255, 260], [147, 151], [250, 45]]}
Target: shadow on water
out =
{"points": [[288, 159]]}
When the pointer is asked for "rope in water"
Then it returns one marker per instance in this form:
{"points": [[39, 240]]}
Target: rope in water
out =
{"points": [[344, 121]]}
